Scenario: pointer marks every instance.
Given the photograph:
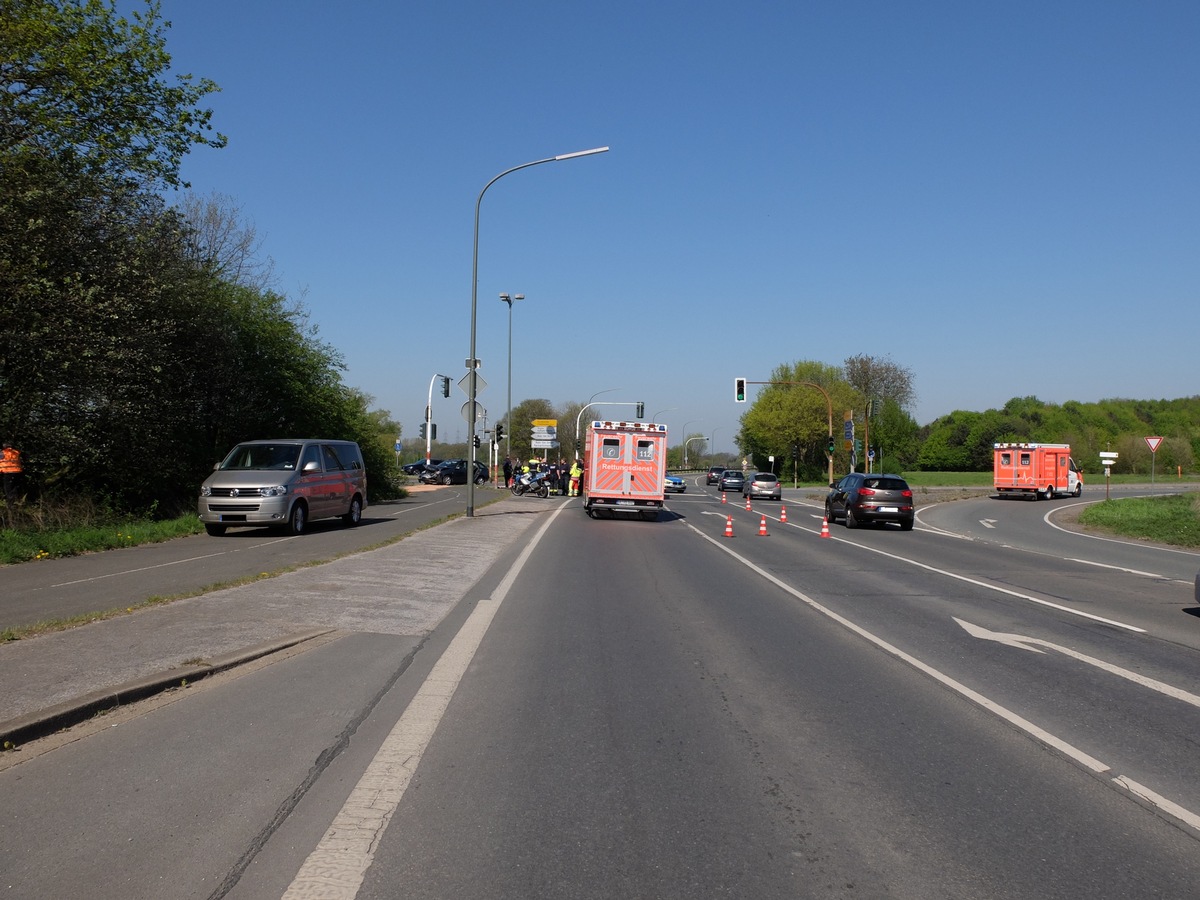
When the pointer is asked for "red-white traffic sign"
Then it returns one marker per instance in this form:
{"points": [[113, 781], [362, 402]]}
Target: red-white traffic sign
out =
{"points": [[1153, 442]]}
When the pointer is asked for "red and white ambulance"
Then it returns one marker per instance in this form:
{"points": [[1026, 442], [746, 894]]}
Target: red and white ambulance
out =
{"points": [[1043, 470], [624, 469]]}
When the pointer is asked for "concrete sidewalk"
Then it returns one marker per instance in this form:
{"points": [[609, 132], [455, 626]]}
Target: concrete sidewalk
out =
{"points": [[407, 588]]}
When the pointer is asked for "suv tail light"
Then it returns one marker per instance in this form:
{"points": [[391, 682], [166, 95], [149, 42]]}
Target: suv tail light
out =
{"points": [[906, 493], [866, 492]]}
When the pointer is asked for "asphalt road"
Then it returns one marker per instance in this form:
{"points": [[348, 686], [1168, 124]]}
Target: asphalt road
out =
{"points": [[57, 589], [657, 710]]}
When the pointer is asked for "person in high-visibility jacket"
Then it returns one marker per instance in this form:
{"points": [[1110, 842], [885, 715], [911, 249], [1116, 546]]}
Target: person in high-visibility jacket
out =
{"points": [[576, 474], [10, 468]]}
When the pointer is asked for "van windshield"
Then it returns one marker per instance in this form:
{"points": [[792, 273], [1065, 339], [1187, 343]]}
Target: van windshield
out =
{"points": [[262, 456]]}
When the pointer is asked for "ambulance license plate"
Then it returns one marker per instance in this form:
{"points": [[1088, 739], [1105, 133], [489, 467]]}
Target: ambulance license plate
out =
{"points": [[624, 503]]}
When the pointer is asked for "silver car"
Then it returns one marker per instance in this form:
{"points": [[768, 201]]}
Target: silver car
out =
{"points": [[763, 484]]}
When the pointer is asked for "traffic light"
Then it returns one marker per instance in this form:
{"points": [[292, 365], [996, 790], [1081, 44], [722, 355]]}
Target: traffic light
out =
{"points": [[829, 447], [499, 432], [422, 431], [445, 385], [641, 409], [739, 390], [476, 441], [433, 431]]}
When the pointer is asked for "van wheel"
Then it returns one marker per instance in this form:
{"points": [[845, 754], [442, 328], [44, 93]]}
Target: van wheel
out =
{"points": [[1079, 490], [214, 530], [298, 519], [354, 516]]}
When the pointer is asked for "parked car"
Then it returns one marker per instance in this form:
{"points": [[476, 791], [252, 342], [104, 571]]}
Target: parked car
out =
{"points": [[285, 483], [731, 480], [763, 484], [416, 468], [674, 484], [454, 471], [714, 474], [861, 498]]}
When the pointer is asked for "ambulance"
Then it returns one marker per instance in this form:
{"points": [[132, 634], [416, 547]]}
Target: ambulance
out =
{"points": [[624, 469], [1045, 471]]}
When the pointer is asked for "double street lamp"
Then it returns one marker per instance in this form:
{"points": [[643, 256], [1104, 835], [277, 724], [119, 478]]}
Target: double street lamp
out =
{"points": [[472, 360]]}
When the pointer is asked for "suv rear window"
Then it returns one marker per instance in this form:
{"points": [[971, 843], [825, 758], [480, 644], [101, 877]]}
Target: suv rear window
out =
{"points": [[886, 484]]}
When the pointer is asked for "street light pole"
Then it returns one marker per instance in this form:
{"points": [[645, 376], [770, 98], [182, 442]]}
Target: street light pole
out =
{"points": [[581, 411], [509, 298], [685, 425], [472, 361]]}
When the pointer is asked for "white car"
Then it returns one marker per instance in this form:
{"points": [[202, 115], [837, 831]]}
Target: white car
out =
{"points": [[674, 483]]}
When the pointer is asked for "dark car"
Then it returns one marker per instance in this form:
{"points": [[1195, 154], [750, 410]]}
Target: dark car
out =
{"points": [[714, 474], [416, 468], [731, 480], [763, 484], [454, 471], [860, 498]]}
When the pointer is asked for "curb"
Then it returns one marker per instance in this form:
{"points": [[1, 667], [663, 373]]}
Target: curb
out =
{"points": [[44, 722]]}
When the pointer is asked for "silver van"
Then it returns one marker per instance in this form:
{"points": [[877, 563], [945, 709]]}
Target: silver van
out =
{"points": [[286, 483]]}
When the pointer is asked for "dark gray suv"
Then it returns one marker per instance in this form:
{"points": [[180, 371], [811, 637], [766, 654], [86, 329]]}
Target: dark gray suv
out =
{"points": [[860, 498]]}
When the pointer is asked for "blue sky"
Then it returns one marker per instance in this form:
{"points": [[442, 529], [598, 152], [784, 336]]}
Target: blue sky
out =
{"points": [[1002, 197]]}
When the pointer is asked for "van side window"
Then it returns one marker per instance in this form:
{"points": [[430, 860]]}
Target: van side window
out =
{"points": [[312, 453], [332, 463]]}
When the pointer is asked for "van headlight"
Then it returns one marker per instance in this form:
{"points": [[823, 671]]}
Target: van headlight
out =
{"points": [[205, 490], [277, 490]]}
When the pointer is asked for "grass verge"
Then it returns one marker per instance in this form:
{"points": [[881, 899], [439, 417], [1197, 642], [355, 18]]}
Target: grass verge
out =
{"points": [[1173, 519]]}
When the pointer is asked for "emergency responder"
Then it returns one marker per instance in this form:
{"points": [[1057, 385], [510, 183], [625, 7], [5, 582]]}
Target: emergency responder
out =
{"points": [[10, 467], [576, 474]]}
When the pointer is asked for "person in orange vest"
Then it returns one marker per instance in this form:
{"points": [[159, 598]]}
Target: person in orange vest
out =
{"points": [[10, 467]]}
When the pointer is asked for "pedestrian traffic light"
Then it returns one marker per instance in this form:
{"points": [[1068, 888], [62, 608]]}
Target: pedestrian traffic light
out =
{"points": [[499, 432], [477, 441], [422, 431], [641, 409], [445, 385], [739, 390], [829, 447]]}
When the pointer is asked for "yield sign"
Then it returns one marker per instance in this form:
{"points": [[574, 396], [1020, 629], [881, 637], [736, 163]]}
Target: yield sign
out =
{"points": [[1152, 443]]}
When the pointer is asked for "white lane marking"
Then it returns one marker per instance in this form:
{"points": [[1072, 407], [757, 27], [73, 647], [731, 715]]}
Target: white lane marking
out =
{"points": [[336, 868], [988, 523], [1032, 644], [1088, 562], [1036, 732], [990, 587]]}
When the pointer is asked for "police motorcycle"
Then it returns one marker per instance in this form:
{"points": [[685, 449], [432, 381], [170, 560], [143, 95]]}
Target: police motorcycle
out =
{"points": [[534, 483]]}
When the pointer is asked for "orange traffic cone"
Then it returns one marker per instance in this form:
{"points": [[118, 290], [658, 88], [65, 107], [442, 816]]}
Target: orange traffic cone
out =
{"points": [[824, 527], [747, 501], [783, 515], [762, 527], [722, 496], [729, 526]]}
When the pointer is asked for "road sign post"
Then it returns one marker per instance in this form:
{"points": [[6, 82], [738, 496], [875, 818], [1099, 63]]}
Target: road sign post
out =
{"points": [[1153, 443], [1107, 458]]}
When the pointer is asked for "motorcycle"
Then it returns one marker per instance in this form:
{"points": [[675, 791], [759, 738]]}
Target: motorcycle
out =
{"points": [[531, 483]]}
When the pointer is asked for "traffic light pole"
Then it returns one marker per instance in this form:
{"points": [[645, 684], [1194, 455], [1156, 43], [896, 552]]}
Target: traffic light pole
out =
{"points": [[739, 386], [429, 412]]}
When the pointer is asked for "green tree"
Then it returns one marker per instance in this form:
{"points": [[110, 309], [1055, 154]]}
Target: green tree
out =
{"points": [[78, 81]]}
